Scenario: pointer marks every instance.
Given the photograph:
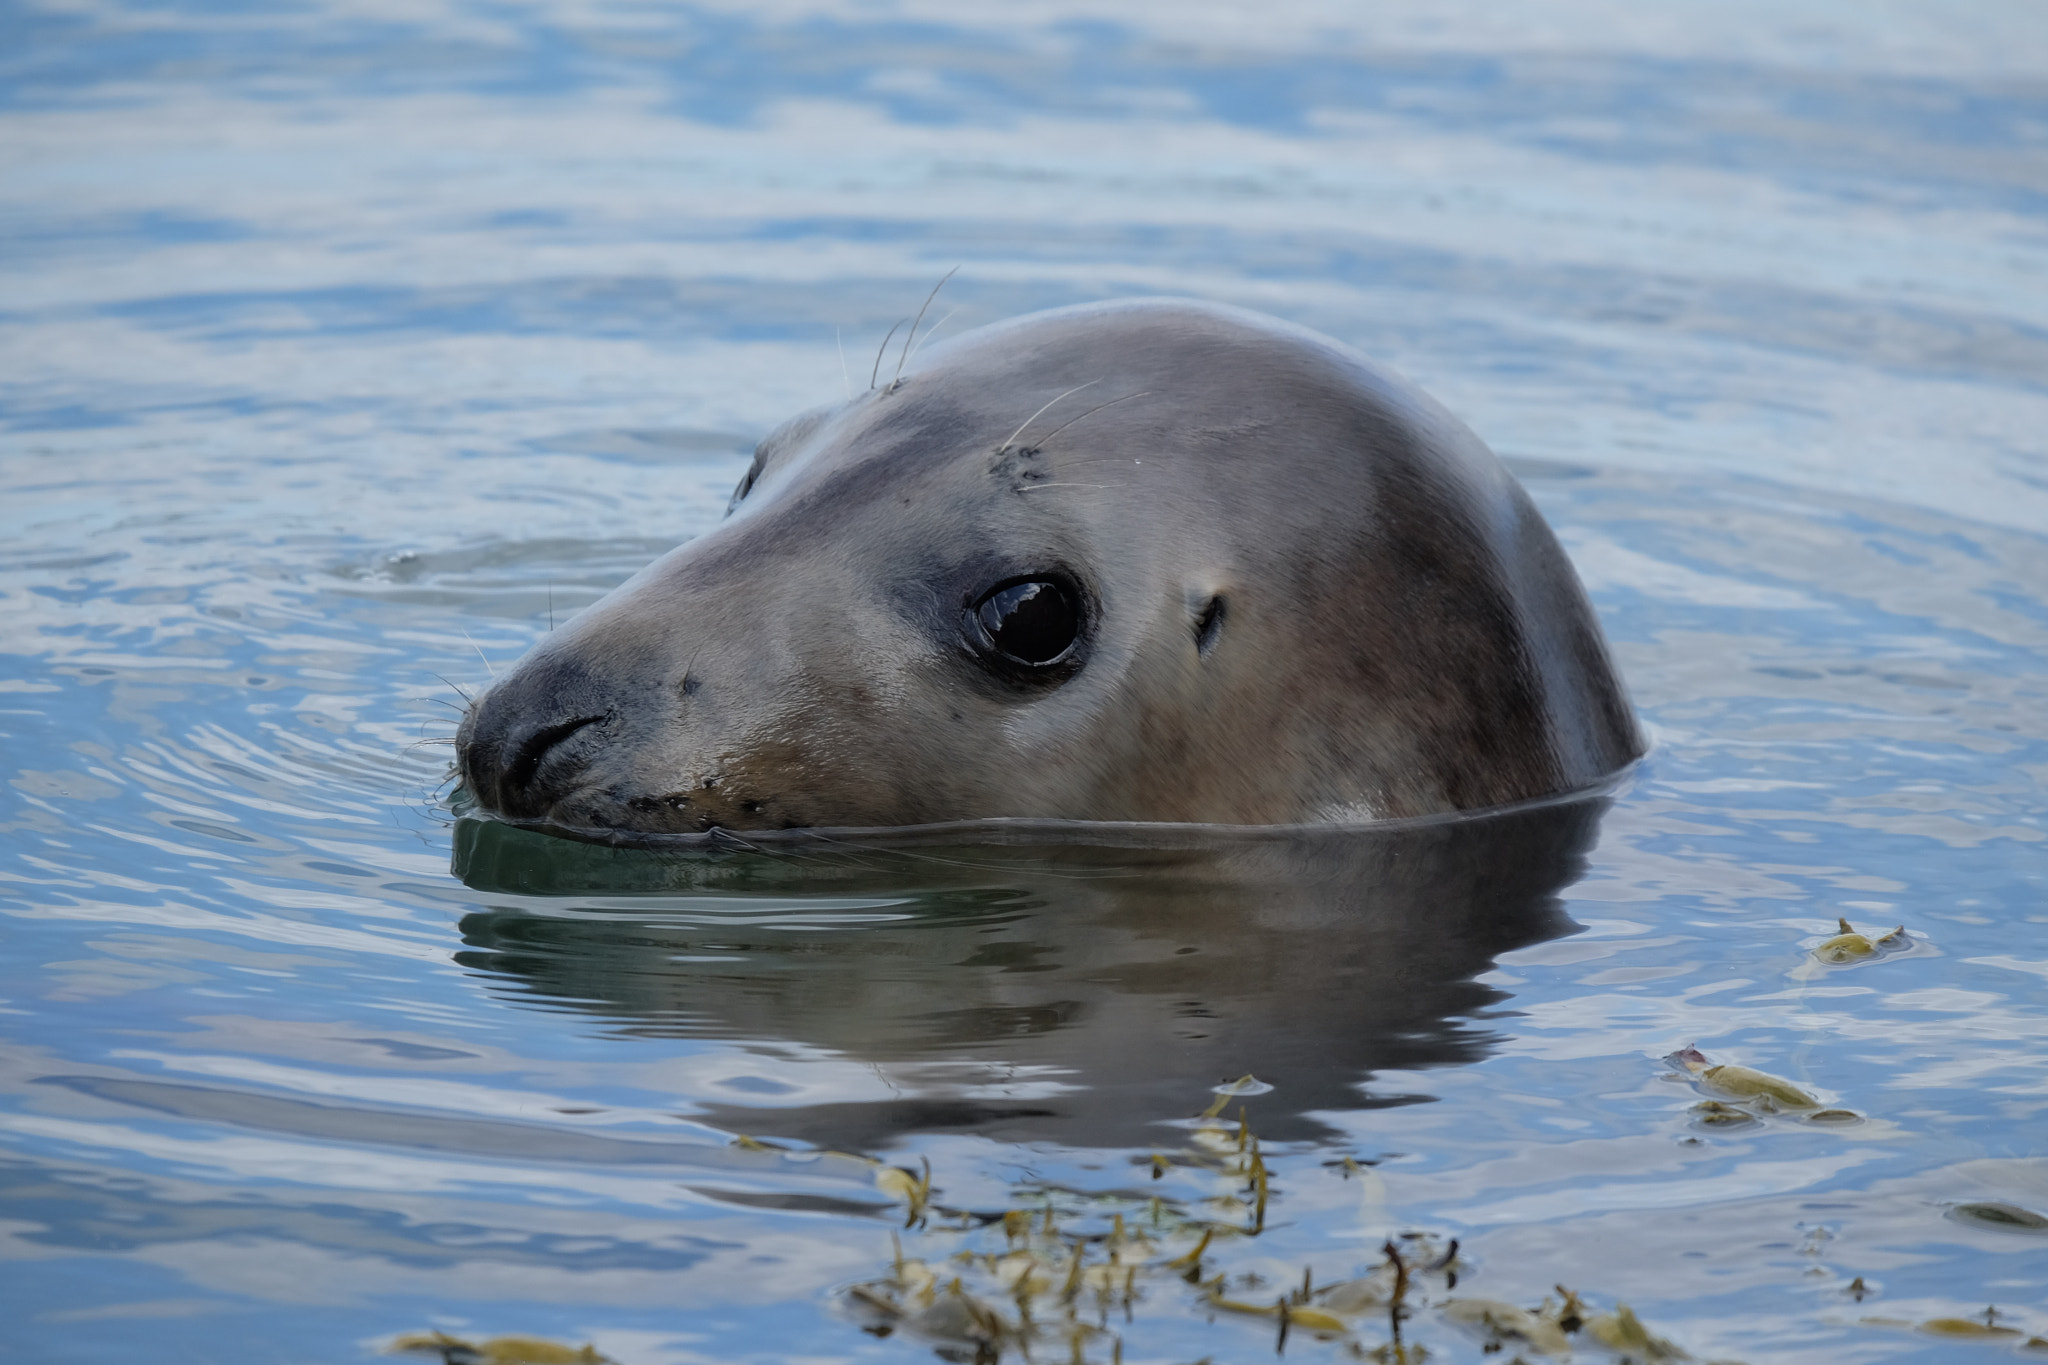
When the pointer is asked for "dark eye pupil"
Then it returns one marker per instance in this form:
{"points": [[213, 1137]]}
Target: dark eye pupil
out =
{"points": [[1033, 622]]}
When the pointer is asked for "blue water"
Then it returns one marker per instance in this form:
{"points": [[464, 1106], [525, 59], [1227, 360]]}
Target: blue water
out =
{"points": [[346, 348]]}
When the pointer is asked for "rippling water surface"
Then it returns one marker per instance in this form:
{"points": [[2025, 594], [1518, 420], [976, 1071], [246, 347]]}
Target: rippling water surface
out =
{"points": [[348, 347]]}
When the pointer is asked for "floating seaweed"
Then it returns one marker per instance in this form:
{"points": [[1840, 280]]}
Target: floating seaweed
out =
{"points": [[1739, 1096], [1849, 945], [912, 1187], [508, 1350], [1716, 1114], [1733, 1082], [1995, 1213], [1619, 1331], [1984, 1327], [1063, 1273], [1508, 1323]]}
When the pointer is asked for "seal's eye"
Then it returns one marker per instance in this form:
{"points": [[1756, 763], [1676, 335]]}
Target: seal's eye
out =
{"points": [[1029, 625]]}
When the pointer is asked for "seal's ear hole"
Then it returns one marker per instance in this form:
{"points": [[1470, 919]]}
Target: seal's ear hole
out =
{"points": [[746, 483], [776, 448], [1026, 625], [1209, 625]]}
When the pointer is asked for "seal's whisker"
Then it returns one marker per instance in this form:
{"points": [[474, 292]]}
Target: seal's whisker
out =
{"points": [[911, 335], [479, 654], [1035, 487], [458, 689], [1089, 464], [1090, 413], [1041, 412], [933, 328], [881, 350]]}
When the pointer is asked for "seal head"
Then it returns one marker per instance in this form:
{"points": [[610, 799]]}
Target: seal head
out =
{"points": [[1144, 560]]}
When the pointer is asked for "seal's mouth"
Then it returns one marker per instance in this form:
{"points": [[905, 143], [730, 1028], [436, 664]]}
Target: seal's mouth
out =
{"points": [[594, 815]]}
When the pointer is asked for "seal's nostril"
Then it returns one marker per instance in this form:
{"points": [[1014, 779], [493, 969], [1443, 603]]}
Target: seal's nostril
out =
{"points": [[519, 750], [525, 761]]}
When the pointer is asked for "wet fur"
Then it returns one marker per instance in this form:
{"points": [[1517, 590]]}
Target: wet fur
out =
{"points": [[1391, 629]]}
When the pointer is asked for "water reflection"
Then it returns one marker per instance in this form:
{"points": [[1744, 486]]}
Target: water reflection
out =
{"points": [[1081, 990]]}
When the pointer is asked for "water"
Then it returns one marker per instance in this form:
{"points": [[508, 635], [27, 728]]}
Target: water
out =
{"points": [[346, 347]]}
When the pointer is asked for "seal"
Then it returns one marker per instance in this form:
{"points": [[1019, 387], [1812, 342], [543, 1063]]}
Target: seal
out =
{"points": [[1146, 560]]}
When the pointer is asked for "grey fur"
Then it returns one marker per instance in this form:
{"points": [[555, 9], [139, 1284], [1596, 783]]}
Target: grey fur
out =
{"points": [[1399, 632]]}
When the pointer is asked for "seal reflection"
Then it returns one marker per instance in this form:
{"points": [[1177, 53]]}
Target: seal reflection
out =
{"points": [[1133, 966]]}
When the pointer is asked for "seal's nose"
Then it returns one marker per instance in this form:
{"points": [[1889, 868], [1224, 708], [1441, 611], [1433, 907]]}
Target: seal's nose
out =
{"points": [[515, 747]]}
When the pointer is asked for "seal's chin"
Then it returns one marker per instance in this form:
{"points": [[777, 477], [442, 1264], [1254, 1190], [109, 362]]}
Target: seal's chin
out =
{"points": [[703, 807], [624, 807], [600, 815]]}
